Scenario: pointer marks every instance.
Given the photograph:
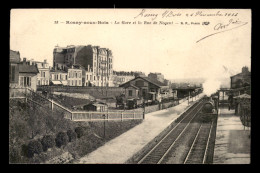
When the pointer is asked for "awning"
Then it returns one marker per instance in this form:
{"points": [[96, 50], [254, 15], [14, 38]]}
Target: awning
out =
{"points": [[56, 82]]}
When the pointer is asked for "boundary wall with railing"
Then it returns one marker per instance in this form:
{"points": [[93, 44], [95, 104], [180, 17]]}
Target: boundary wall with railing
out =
{"points": [[35, 98]]}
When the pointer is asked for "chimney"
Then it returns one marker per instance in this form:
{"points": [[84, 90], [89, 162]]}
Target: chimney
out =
{"points": [[245, 70]]}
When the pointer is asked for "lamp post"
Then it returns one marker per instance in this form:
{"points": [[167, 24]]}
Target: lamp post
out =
{"points": [[144, 109]]}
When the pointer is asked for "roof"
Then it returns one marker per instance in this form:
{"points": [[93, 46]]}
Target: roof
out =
{"points": [[96, 104], [130, 85], [24, 68], [58, 71], [153, 81], [241, 74], [14, 56], [243, 96]]}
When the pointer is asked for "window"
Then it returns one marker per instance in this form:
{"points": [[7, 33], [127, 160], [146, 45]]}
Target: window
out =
{"points": [[79, 82], [130, 92], [75, 82], [66, 77], [21, 81], [76, 74], [25, 81], [87, 77], [72, 82]]}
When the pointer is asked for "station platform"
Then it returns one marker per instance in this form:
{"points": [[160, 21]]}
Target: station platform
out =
{"points": [[232, 144], [123, 147]]}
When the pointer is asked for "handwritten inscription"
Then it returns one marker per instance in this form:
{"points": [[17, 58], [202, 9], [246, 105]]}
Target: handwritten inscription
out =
{"points": [[231, 22], [149, 15], [171, 13], [223, 27]]}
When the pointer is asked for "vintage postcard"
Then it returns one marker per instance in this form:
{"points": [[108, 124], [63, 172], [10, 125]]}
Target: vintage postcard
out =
{"points": [[130, 86]]}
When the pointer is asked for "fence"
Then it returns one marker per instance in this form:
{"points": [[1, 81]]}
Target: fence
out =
{"points": [[33, 98], [95, 116]]}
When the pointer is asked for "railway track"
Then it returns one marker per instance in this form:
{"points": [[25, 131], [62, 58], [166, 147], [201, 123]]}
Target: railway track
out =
{"points": [[160, 151], [198, 151]]}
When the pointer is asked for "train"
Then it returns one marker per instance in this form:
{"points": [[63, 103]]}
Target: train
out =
{"points": [[211, 104]]}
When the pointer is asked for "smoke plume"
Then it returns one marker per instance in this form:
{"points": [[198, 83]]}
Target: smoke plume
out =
{"points": [[210, 86]]}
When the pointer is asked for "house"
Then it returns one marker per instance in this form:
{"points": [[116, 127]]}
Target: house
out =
{"points": [[120, 77], [241, 79], [14, 68], [75, 76], [58, 77], [144, 87], [43, 77], [241, 82], [96, 106], [27, 75]]}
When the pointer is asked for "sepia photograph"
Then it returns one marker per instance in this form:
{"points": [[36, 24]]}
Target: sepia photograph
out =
{"points": [[130, 86]]}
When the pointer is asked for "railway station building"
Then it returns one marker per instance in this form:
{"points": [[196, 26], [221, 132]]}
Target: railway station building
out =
{"points": [[144, 88]]}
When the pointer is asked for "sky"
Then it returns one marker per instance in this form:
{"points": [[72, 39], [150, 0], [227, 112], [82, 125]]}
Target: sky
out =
{"points": [[170, 49]]}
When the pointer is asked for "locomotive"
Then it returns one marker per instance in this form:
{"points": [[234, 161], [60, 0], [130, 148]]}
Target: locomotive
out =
{"points": [[211, 104]]}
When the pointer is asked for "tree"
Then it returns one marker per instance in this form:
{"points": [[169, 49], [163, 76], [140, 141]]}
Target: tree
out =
{"points": [[47, 141], [34, 147], [61, 139], [72, 135], [80, 131]]}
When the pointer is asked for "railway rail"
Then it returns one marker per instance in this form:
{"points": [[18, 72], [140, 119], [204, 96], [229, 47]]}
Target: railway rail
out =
{"points": [[161, 150], [198, 151]]}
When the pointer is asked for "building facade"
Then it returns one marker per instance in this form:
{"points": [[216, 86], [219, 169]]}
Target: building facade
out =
{"points": [[91, 58], [28, 75], [58, 77], [74, 77], [121, 77], [241, 80], [14, 68], [148, 89], [43, 77]]}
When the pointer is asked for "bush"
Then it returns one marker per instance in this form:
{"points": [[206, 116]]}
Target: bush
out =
{"points": [[61, 139], [34, 147], [47, 142], [14, 155], [80, 131], [72, 135]]}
